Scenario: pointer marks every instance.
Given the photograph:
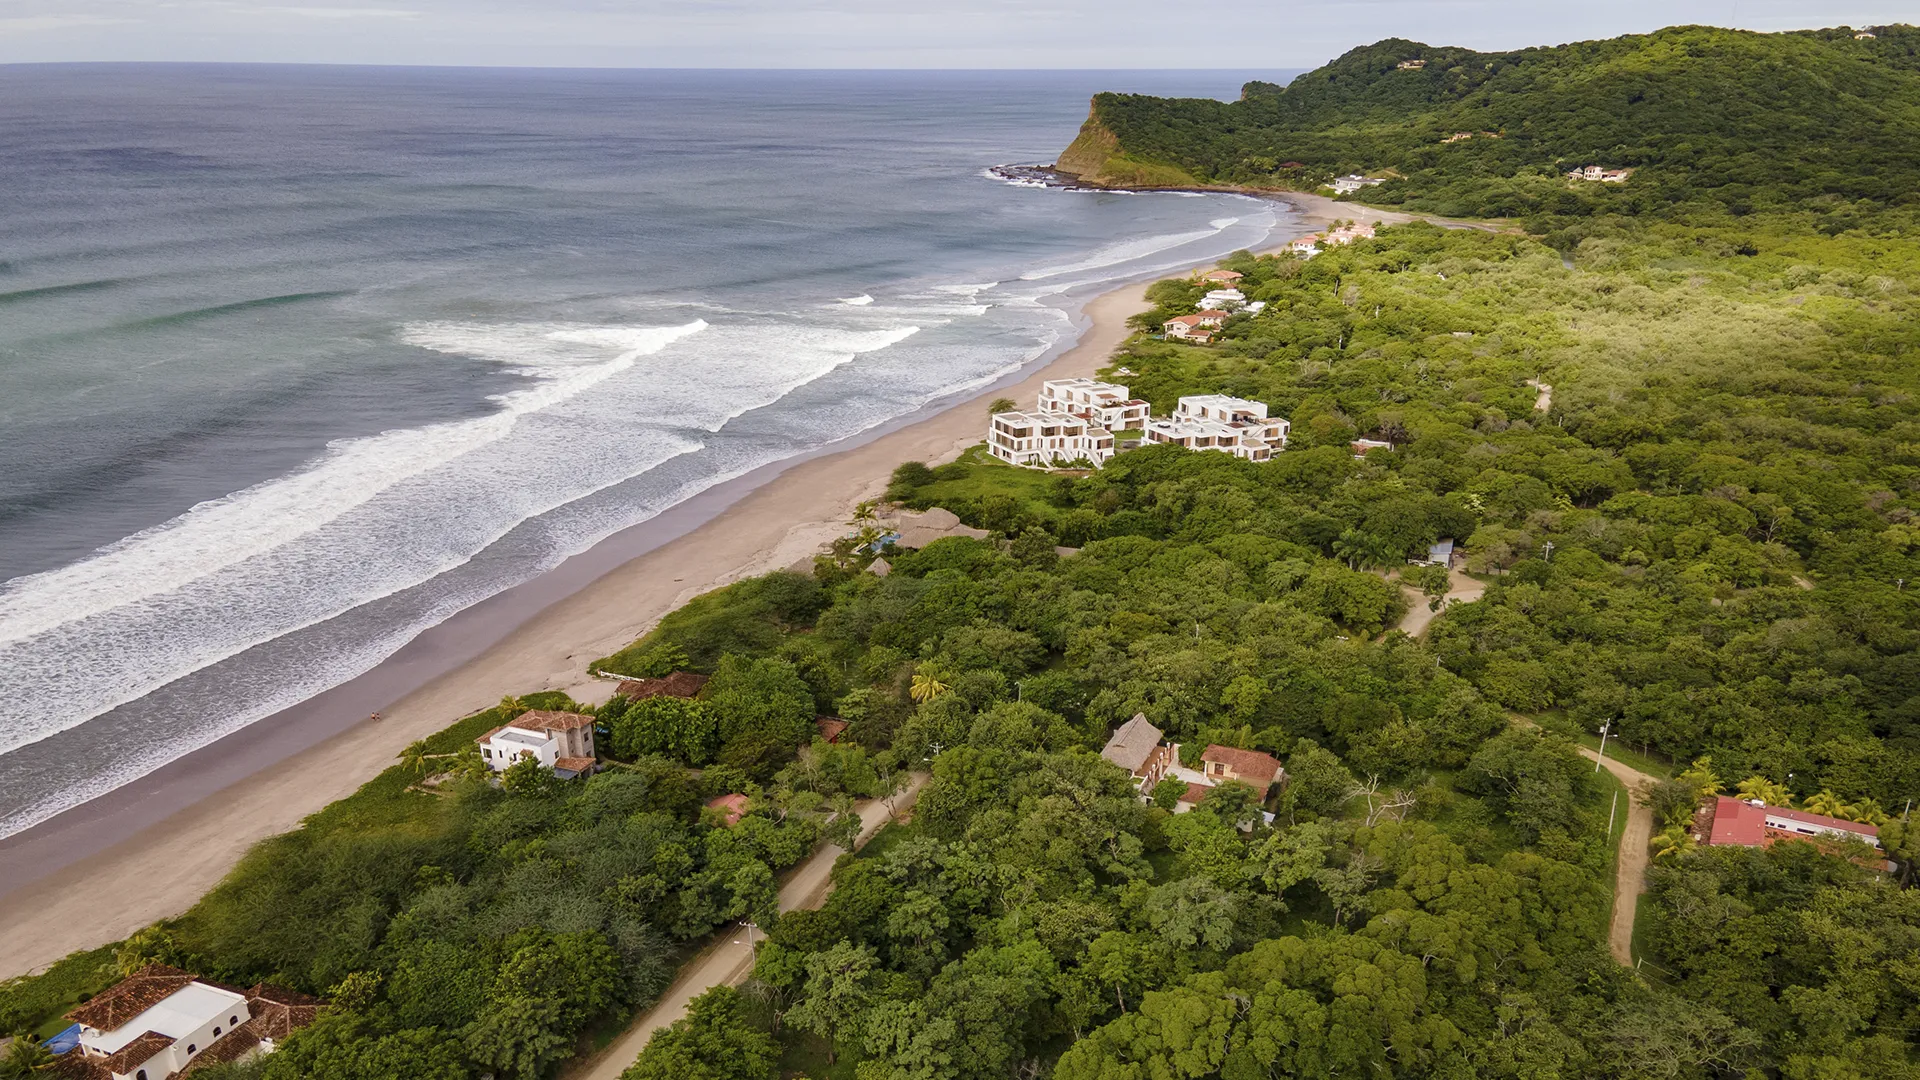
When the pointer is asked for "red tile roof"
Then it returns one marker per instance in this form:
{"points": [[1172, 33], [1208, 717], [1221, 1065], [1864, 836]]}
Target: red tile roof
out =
{"points": [[733, 806], [575, 764], [130, 997], [279, 1012], [830, 727], [1736, 822], [680, 684], [1252, 766], [136, 1053], [1194, 793], [548, 720]]}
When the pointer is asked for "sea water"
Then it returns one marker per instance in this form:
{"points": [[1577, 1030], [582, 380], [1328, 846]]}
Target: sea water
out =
{"points": [[296, 362]]}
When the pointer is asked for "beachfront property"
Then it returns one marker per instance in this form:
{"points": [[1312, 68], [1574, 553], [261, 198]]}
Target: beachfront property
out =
{"points": [[1109, 405], [1347, 185], [1047, 439], [1312, 244], [1222, 277], [560, 741], [1217, 422], [161, 1022], [680, 684], [1594, 174], [1197, 327]]}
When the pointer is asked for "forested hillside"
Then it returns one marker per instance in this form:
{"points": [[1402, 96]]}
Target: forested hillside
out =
{"points": [[1712, 121]]}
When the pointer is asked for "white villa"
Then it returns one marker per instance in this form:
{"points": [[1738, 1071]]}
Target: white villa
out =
{"points": [[1217, 422], [1347, 185], [161, 1022], [1047, 439], [1223, 300], [1109, 405], [1596, 175], [561, 741], [1311, 244], [1196, 327]]}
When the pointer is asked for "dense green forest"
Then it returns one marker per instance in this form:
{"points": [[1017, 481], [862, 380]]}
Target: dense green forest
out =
{"points": [[1715, 123]]}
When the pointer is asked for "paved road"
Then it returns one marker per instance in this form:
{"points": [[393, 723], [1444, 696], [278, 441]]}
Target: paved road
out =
{"points": [[1630, 875], [729, 960]]}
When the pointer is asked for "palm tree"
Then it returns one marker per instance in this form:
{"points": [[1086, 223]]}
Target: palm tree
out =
{"points": [[1672, 843], [926, 687], [866, 510], [414, 757], [1869, 812], [1004, 404], [1765, 790], [26, 1056], [1826, 802], [1701, 778]]}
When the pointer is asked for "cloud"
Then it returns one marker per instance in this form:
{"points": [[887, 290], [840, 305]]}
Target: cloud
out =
{"points": [[340, 13], [29, 23]]}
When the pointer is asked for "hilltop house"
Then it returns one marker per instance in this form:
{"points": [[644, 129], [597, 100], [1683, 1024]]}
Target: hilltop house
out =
{"points": [[1596, 175], [1865, 35], [1046, 439], [161, 1022], [1137, 747], [1108, 405], [1347, 185], [1410, 65], [561, 741]]}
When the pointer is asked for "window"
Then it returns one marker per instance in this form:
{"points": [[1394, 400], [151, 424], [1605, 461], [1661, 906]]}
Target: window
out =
{"points": [[216, 1033], [141, 1075], [190, 1049], [486, 753], [234, 1019]]}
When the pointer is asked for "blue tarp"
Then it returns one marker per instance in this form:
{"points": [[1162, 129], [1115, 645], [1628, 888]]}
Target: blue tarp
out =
{"points": [[65, 1041]]}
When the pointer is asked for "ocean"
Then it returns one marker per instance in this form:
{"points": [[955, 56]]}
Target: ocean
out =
{"points": [[296, 362]]}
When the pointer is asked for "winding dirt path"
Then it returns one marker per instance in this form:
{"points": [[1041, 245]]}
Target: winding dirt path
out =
{"points": [[1630, 870], [1461, 589], [730, 959], [1544, 402]]}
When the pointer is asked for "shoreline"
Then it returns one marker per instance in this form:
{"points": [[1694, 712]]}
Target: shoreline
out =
{"points": [[179, 829]]}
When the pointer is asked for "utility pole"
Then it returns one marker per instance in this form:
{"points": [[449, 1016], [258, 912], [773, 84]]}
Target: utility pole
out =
{"points": [[1611, 808], [1603, 755]]}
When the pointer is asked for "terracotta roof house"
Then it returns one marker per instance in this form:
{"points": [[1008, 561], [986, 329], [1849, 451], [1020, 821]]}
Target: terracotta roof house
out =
{"points": [[1191, 797], [830, 727], [1251, 767], [680, 684], [562, 741], [731, 807], [1226, 276], [1138, 747], [161, 1022], [1747, 824]]}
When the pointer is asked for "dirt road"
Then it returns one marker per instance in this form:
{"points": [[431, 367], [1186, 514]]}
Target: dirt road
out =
{"points": [[1461, 589], [730, 959], [1544, 402], [1630, 874]]}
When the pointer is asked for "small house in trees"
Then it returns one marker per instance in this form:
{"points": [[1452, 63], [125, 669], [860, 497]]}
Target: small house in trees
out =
{"points": [[1865, 35], [1362, 447], [161, 1022], [680, 684], [1138, 747], [830, 727], [1223, 277], [1259, 771], [561, 741], [729, 808], [1755, 824], [1410, 65], [1347, 185]]}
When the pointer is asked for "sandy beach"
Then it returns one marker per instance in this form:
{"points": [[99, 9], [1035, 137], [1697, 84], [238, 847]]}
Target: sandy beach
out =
{"points": [[68, 882]]}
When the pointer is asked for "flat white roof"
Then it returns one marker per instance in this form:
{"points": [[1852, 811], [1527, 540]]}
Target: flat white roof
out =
{"points": [[178, 1015], [524, 738]]}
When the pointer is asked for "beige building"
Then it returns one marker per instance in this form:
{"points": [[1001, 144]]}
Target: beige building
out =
{"points": [[1108, 405], [1047, 439]]}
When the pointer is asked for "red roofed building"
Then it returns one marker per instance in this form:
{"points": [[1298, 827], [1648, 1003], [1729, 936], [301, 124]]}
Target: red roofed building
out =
{"points": [[161, 1022], [680, 684], [562, 741], [1745, 824], [830, 727], [730, 807], [1251, 767]]}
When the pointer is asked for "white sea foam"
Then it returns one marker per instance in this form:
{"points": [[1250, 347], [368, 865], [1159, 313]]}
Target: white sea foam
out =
{"points": [[414, 526], [1116, 254], [857, 301], [1224, 223], [229, 530]]}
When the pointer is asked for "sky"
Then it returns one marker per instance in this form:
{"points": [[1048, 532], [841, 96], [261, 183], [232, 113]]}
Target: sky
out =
{"points": [[1109, 34]]}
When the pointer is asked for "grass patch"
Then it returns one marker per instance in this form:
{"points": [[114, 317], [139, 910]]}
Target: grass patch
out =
{"points": [[39, 1003]]}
